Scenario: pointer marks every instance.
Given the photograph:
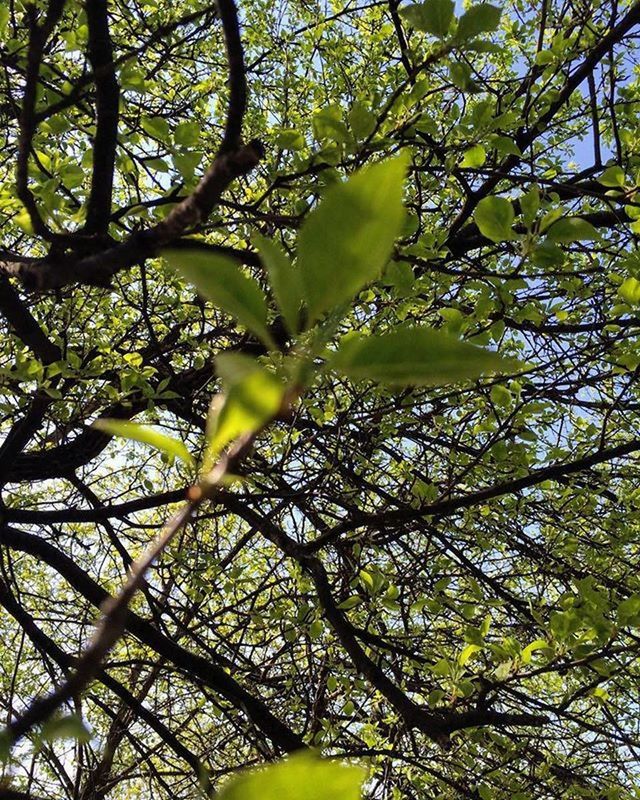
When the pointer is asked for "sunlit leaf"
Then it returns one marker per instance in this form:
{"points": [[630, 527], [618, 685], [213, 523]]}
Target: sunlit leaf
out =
{"points": [[474, 157], [612, 176], [252, 397], [571, 229], [223, 281], [173, 448], [629, 290], [347, 240], [530, 649], [302, 776], [469, 651]]}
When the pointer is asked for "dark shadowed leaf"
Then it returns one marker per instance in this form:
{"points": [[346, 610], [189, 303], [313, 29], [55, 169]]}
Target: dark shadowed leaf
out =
{"points": [[480, 18], [284, 279], [494, 217]]}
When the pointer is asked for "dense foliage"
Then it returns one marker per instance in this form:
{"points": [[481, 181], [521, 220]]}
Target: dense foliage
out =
{"points": [[428, 562]]}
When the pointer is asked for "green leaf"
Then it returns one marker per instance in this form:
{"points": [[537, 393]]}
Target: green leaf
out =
{"points": [[432, 16], [284, 279], [545, 57], [474, 157], [222, 280], [23, 221], [504, 145], [347, 240], [173, 448], [414, 356], [460, 74], [571, 229], [469, 651], [530, 649], [302, 776], [362, 120], [350, 602], [253, 396], [328, 125], [530, 205], [480, 18], [494, 217], [158, 127], [5, 746], [630, 291], [612, 176], [290, 139], [187, 134], [547, 255], [628, 609], [71, 727]]}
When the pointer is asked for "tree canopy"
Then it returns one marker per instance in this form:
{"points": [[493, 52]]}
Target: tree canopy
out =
{"points": [[319, 398]]}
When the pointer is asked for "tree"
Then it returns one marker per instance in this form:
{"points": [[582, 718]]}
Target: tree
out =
{"points": [[417, 546]]}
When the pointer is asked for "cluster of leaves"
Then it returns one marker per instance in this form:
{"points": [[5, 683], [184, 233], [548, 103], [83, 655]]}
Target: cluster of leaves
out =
{"points": [[343, 245]]}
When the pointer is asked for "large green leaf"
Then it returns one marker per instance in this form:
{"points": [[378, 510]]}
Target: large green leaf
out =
{"points": [[346, 241], [480, 18], [414, 356], [571, 229], [630, 291], [223, 281], [252, 397], [302, 776], [494, 217], [173, 448], [284, 279], [432, 16]]}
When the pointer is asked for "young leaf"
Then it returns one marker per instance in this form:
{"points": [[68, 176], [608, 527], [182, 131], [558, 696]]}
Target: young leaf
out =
{"points": [[571, 229], [630, 291], [530, 205], [302, 776], [290, 139], [252, 397], [530, 649], [284, 279], [480, 18], [346, 241], [173, 448], [474, 157], [494, 217], [222, 280], [432, 16], [469, 651], [414, 356], [612, 176]]}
